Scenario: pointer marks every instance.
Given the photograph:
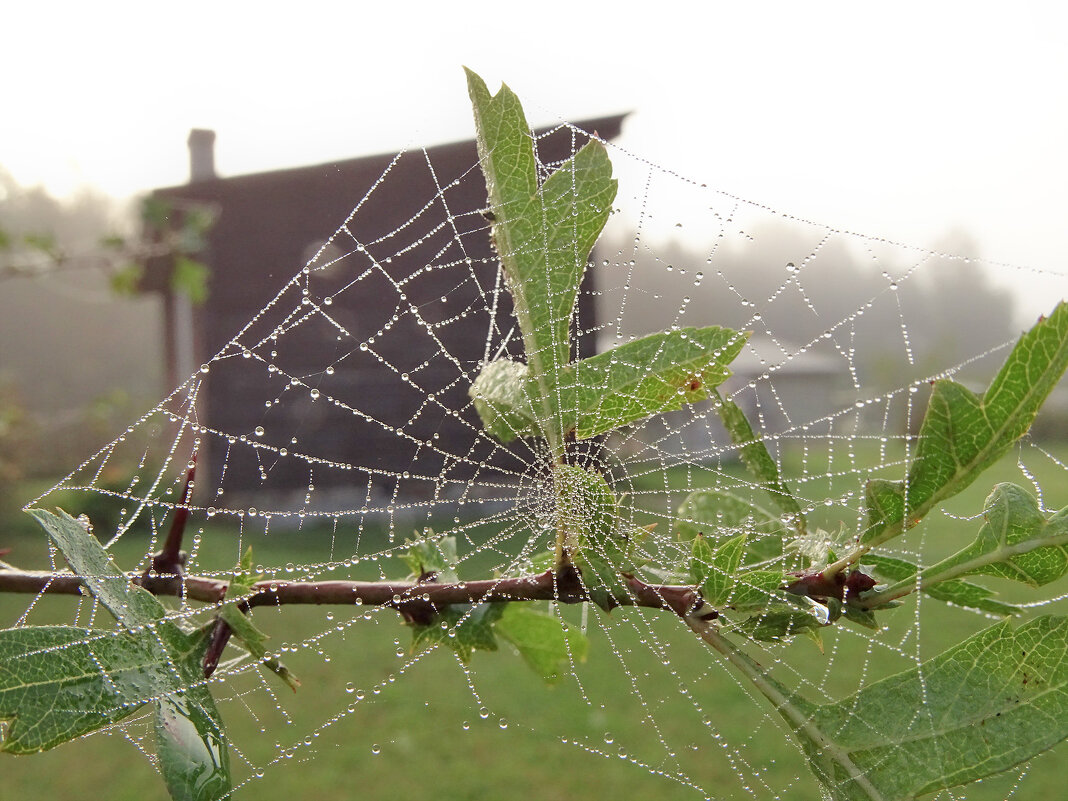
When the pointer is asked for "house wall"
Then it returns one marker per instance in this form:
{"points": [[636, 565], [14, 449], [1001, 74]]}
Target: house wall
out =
{"points": [[268, 226]]}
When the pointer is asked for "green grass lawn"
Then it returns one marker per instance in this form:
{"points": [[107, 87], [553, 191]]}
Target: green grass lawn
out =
{"points": [[372, 720]]}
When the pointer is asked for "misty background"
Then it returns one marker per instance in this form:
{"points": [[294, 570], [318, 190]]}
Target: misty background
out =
{"points": [[79, 362]]}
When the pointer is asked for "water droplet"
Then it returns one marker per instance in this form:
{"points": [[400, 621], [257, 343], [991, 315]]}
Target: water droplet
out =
{"points": [[259, 431]]}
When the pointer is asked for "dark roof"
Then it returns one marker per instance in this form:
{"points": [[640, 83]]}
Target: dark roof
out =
{"points": [[605, 128], [268, 220]]}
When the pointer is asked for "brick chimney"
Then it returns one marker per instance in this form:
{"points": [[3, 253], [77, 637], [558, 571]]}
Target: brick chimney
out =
{"points": [[201, 155]]}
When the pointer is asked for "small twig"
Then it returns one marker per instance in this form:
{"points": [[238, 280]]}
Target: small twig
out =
{"points": [[799, 720]]}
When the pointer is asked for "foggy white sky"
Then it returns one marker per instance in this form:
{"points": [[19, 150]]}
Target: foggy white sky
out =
{"points": [[902, 120]]}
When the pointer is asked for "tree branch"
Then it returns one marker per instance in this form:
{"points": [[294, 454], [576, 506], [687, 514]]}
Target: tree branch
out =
{"points": [[418, 601]]}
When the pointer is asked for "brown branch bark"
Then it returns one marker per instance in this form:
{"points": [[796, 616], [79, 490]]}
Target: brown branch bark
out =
{"points": [[418, 601]]}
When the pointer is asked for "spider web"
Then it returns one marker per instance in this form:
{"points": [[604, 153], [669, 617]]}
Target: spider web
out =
{"points": [[376, 340]]}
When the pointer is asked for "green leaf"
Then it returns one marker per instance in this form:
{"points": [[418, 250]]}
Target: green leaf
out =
{"points": [[462, 628], [720, 513], [715, 569], [60, 682], [587, 508], [655, 374], [162, 661], [254, 640], [701, 555], [191, 747], [243, 578], [541, 561], [155, 211], [190, 742], [505, 147], [963, 433], [755, 456], [431, 555], [600, 546], [861, 616], [1016, 542], [885, 502], [997, 699], [547, 644], [44, 242], [781, 621], [126, 281], [729, 555], [132, 606], [190, 278], [954, 591], [756, 589], [543, 235], [500, 397], [197, 220]]}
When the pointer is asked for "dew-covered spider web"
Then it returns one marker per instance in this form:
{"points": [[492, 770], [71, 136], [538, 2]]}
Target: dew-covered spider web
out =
{"points": [[333, 428]]}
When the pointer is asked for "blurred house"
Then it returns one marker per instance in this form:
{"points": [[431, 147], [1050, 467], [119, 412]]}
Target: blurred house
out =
{"points": [[417, 214]]}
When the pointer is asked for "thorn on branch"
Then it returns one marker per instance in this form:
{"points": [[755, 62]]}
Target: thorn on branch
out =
{"points": [[169, 561], [220, 635], [417, 611], [568, 584]]}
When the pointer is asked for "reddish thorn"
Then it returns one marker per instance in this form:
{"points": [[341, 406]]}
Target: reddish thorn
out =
{"points": [[220, 635], [169, 560]]}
